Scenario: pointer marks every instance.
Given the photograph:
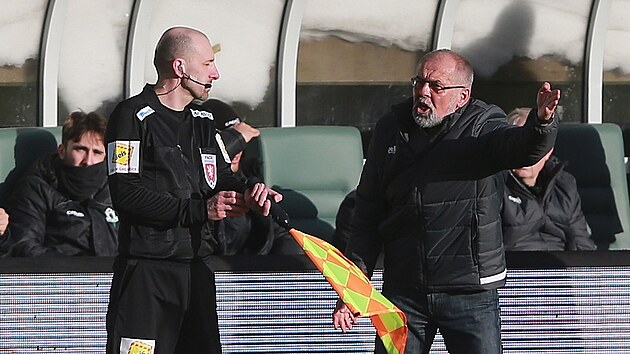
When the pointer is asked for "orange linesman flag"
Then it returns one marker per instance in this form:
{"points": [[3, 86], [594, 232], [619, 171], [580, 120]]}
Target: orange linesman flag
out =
{"points": [[356, 291], [352, 286]]}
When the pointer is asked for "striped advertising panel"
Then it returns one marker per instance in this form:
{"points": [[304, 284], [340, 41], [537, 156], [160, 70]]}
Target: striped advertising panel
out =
{"points": [[560, 310]]}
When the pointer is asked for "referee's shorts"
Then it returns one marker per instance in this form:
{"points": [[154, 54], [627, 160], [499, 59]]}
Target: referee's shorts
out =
{"points": [[162, 307]]}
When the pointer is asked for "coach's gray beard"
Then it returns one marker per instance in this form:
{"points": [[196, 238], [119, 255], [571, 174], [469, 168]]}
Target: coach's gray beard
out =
{"points": [[427, 122]]}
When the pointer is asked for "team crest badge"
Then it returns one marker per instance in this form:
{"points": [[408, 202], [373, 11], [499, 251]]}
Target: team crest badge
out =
{"points": [[209, 163]]}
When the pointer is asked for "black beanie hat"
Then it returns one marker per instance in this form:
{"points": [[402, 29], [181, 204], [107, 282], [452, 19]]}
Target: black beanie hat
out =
{"points": [[231, 142], [224, 115]]}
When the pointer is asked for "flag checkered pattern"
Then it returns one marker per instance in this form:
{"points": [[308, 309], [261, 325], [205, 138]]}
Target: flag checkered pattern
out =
{"points": [[355, 290]]}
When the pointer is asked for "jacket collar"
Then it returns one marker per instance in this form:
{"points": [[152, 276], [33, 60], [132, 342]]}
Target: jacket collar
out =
{"points": [[417, 138]]}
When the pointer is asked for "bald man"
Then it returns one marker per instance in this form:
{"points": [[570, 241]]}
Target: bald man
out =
{"points": [[169, 184], [429, 197]]}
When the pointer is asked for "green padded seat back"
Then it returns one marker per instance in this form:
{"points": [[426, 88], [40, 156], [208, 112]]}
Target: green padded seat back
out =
{"points": [[314, 167], [595, 156], [20, 147]]}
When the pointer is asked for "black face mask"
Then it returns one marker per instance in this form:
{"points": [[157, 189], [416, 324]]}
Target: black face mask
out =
{"points": [[81, 183]]}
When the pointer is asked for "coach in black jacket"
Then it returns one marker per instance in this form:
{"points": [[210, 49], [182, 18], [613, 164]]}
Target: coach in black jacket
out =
{"points": [[62, 206], [430, 196]]}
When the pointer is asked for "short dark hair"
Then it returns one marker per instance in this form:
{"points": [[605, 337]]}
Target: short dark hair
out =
{"points": [[79, 123]]}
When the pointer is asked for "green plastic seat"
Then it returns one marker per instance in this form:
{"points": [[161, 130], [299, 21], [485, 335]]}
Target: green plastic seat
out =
{"points": [[595, 156], [314, 167], [20, 147]]}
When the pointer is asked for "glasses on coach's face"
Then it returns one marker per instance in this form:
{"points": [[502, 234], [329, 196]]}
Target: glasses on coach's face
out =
{"points": [[418, 83]]}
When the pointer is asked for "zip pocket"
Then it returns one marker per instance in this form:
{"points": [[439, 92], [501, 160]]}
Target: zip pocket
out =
{"points": [[474, 237]]}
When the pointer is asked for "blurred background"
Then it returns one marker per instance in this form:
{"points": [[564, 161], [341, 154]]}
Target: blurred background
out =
{"points": [[315, 62]]}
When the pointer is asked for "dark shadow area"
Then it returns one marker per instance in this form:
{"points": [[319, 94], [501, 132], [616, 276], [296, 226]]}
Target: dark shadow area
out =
{"points": [[625, 131], [356, 105], [502, 71], [541, 260], [303, 214], [563, 259], [510, 38], [507, 75], [30, 144], [581, 146], [18, 106]]}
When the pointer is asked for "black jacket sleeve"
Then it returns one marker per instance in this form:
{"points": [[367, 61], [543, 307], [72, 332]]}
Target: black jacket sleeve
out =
{"points": [[509, 147]]}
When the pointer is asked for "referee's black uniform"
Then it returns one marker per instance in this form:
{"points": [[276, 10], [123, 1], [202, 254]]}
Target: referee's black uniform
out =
{"points": [[163, 165]]}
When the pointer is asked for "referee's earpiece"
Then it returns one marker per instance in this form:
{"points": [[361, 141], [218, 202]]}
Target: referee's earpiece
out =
{"points": [[181, 69]]}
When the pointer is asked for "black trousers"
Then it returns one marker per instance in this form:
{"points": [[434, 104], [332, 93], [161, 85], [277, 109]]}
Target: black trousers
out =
{"points": [[163, 306]]}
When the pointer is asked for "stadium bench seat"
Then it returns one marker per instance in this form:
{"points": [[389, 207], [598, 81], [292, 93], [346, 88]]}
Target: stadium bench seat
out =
{"points": [[595, 156], [20, 147], [314, 167]]}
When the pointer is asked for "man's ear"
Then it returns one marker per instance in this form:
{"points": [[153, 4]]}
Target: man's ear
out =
{"points": [[61, 150], [178, 67], [463, 98]]}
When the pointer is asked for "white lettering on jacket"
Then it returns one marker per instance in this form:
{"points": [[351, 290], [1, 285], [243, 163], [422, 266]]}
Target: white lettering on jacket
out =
{"points": [[75, 213], [145, 112], [516, 200], [201, 114]]}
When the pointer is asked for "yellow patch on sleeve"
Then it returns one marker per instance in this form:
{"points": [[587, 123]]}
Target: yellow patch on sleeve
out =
{"points": [[137, 346], [123, 156]]}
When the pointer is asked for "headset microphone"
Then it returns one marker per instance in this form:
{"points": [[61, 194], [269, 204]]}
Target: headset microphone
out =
{"points": [[198, 82], [181, 68]]}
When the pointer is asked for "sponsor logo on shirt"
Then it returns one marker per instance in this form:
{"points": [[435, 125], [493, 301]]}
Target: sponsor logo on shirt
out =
{"points": [[110, 216], [209, 163], [145, 112], [391, 150], [78, 214], [201, 114], [516, 200], [123, 156], [137, 346], [230, 122]]}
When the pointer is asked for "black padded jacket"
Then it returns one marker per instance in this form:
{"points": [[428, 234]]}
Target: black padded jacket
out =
{"points": [[46, 221], [550, 219], [433, 203]]}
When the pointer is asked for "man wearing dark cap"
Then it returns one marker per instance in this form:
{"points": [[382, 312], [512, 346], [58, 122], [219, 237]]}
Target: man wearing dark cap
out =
{"points": [[250, 233], [234, 133]]}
